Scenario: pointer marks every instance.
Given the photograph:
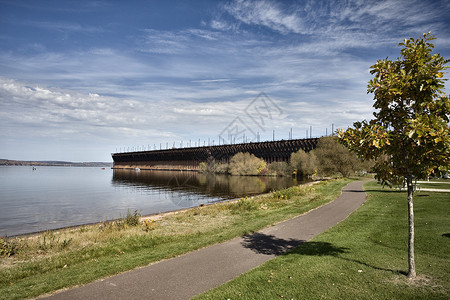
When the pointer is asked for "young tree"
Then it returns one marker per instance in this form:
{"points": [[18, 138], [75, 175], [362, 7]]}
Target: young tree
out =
{"points": [[410, 130]]}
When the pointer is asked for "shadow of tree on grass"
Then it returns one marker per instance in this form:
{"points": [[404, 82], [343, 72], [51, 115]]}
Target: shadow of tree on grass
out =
{"points": [[271, 245], [319, 249], [385, 190], [325, 248]]}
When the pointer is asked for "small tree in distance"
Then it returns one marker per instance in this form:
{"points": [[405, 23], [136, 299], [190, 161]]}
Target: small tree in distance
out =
{"points": [[410, 130]]}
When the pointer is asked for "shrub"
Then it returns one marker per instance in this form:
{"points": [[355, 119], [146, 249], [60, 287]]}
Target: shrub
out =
{"points": [[209, 166], [48, 240], [65, 243], [246, 164], [7, 247], [304, 163], [148, 225], [222, 168], [286, 194], [279, 168], [203, 167], [334, 158], [132, 219], [243, 204]]}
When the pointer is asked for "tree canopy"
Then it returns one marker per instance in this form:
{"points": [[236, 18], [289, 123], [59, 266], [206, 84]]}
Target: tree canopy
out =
{"points": [[410, 132], [412, 113]]}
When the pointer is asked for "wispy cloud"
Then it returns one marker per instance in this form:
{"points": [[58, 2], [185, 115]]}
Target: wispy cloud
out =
{"points": [[335, 19], [175, 42], [64, 27], [212, 80], [162, 84], [264, 13], [163, 42], [70, 7]]}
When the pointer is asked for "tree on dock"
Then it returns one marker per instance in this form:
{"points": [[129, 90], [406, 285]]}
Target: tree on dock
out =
{"points": [[410, 132]]}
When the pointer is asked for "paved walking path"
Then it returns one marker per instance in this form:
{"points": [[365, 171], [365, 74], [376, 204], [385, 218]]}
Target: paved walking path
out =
{"points": [[194, 273]]}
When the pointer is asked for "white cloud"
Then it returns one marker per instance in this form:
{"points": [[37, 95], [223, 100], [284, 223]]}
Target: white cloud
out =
{"points": [[312, 57], [198, 112], [65, 27], [163, 42], [347, 21], [222, 25], [44, 110], [263, 13], [212, 80], [42, 107], [175, 42]]}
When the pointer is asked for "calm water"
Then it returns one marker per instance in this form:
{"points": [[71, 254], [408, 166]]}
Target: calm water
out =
{"points": [[55, 197]]}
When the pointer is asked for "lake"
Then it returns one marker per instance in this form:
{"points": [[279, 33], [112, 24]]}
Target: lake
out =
{"points": [[56, 197]]}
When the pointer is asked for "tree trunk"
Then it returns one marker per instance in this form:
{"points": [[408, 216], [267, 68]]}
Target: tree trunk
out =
{"points": [[411, 262]]}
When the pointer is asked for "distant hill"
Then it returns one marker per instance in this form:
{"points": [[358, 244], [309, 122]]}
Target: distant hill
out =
{"points": [[7, 162]]}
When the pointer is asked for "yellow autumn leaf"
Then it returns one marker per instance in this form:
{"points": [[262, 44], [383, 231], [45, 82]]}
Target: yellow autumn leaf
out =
{"points": [[440, 74], [375, 144]]}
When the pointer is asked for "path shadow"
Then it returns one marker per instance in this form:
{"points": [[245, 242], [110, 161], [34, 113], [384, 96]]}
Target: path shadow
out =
{"points": [[353, 191], [269, 244]]}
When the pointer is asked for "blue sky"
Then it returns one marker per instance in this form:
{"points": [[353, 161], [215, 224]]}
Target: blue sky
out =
{"points": [[81, 79]]}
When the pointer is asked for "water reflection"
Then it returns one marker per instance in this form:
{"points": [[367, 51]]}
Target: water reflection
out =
{"points": [[55, 197], [188, 189]]}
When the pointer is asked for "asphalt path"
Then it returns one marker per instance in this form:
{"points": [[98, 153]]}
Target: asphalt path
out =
{"points": [[194, 273]]}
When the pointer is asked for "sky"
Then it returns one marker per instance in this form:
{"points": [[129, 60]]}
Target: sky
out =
{"points": [[80, 80]]}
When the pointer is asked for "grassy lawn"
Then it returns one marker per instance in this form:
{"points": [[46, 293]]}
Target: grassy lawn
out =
{"points": [[64, 258], [435, 185], [363, 257]]}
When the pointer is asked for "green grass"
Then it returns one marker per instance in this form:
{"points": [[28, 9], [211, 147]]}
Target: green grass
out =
{"points": [[64, 258], [435, 185], [363, 257]]}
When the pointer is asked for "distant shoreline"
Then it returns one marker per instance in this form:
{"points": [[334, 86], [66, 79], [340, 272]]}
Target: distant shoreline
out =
{"points": [[7, 162]]}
